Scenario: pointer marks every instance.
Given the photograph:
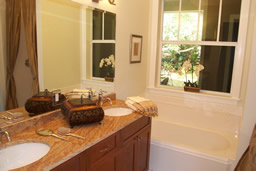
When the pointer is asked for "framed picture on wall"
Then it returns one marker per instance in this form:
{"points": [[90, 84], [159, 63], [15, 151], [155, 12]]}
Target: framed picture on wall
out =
{"points": [[135, 49]]}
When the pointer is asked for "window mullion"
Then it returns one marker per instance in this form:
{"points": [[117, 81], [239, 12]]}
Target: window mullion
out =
{"points": [[103, 41], [160, 53], [211, 43], [178, 38], [103, 26], [198, 24], [91, 51], [219, 21], [162, 20]]}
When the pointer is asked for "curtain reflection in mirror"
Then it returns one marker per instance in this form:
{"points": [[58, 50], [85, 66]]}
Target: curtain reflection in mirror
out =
{"points": [[14, 12]]}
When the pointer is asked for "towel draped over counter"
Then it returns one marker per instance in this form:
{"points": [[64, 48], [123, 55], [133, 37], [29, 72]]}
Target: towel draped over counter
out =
{"points": [[143, 106]]}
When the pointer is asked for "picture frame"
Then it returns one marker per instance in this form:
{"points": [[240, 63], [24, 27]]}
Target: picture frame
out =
{"points": [[135, 48]]}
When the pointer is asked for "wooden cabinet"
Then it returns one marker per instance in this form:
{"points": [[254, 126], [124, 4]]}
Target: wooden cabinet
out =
{"points": [[107, 163], [126, 150], [125, 159], [102, 155], [71, 165], [142, 147], [134, 155]]}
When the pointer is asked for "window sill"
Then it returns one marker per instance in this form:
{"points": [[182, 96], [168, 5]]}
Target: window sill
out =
{"points": [[202, 96]]}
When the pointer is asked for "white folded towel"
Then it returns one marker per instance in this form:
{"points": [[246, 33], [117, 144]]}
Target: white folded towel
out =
{"points": [[137, 99], [142, 106]]}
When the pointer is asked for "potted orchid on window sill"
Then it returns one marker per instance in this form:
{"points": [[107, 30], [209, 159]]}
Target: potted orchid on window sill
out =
{"points": [[191, 66], [107, 65], [184, 61]]}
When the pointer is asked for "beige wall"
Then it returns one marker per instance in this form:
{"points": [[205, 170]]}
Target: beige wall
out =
{"points": [[60, 33], [132, 18], [2, 55]]}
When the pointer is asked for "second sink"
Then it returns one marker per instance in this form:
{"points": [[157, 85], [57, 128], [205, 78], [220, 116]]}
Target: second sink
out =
{"points": [[117, 111], [19, 155]]}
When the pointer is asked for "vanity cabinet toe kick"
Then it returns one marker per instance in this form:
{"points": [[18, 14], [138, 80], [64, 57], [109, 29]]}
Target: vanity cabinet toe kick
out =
{"points": [[125, 150]]}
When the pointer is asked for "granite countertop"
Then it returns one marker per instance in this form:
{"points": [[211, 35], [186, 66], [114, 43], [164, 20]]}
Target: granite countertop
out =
{"points": [[61, 151]]}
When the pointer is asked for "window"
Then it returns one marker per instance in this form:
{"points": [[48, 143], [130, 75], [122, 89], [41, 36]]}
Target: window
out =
{"points": [[103, 43], [201, 32]]}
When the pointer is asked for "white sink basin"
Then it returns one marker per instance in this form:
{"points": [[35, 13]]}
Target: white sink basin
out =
{"points": [[21, 155], [117, 111]]}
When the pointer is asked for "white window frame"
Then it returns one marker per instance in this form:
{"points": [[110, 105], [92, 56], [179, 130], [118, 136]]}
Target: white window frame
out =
{"points": [[98, 41], [154, 68]]}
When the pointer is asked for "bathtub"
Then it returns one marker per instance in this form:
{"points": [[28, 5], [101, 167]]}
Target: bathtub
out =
{"points": [[176, 147]]}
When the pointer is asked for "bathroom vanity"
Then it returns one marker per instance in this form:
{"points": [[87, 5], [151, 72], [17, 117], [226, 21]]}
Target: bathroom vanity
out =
{"points": [[125, 150], [119, 143]]}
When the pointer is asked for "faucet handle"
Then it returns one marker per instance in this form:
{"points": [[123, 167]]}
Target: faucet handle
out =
{"points": [[90, 93], [101, 92], [82, 98]]}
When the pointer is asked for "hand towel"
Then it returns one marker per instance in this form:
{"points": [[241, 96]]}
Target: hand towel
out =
{"points": [[142, 106]]}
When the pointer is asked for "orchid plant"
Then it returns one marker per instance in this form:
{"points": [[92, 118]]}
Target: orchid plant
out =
{"points": [[191, 67], [183, 60], [108, 64]]}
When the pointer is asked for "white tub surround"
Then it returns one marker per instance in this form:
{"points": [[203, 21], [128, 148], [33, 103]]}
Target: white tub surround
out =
{"points": [[183, 147]]}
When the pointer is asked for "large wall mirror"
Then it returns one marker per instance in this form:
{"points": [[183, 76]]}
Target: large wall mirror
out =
{"points": [[74, 43]]}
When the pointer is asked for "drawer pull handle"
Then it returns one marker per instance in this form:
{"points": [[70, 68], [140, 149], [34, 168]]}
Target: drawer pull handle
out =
{"points": [[105, 149], [139, 138]]}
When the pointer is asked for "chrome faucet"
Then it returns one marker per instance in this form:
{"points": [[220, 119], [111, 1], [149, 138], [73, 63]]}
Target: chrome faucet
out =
{"points": [[102, 99], [90, 95], [7, 135]]}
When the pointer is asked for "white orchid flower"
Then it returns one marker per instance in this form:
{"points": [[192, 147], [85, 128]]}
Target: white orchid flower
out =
{"points": [[110, 61], [187, 65], [198, 69], [101, 63], [180, 70]]}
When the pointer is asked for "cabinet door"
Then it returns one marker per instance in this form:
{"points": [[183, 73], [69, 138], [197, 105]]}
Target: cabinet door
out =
{"points": [[70, 165], [83, 161], [142, 147], [125, 159], [134, 155]]}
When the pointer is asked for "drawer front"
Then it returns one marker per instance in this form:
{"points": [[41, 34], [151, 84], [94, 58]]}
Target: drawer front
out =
{"points": [[134, 127], [70, 165], [102, 148]]}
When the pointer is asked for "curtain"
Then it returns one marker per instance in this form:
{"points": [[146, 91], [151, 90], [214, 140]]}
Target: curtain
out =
{"points": [[13, 23], [29, 18], [3, 55]]}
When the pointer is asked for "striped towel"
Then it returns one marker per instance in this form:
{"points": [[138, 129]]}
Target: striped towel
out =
{"points": [[143, 106]]}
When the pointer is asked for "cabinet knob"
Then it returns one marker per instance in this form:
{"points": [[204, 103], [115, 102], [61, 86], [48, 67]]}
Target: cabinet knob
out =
{"points": [[139, 138]]}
